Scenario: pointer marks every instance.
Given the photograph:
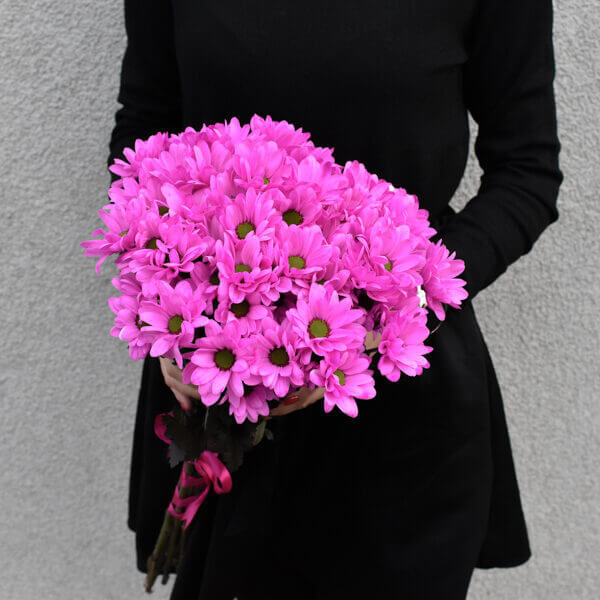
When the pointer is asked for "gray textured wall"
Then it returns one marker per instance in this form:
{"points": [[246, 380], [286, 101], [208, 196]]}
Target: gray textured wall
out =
{"points": [[69, 390]]}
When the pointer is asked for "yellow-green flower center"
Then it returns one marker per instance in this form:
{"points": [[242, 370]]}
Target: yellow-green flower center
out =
{"points": [[279, 356], [388, 265], [163, 210], [296, 262], [241, 268], [151, 244], [224, 359], [124, 233], [240, 309], [243, 229], [318, 328], [175, 324], [266, 180], [292, 217], [340, 375]]}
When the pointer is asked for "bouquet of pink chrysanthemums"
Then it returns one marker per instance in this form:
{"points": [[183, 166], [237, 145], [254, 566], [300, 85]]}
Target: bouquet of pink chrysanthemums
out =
{"points": [[259, 265]]}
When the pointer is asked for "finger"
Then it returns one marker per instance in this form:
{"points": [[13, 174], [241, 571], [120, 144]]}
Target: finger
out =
{"points": [[372, 340], [282, 409], [163, 366], [187, 389], [289, 403], [169, 369], [184, 400], [305, 397], [300, 394], [315, 395], [174, 371], [288, 400]]}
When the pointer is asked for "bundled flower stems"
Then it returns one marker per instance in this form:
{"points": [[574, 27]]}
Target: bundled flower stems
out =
{"points": [[256, 263]]}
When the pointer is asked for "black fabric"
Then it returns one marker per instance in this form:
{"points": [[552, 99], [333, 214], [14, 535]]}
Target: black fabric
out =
{"points": [[420, 488]]}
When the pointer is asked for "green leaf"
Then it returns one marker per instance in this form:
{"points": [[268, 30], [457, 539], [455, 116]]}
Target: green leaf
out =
{"points": [[186, 430], [213, 429], [175, 455], [230, 439], [259, 432]]}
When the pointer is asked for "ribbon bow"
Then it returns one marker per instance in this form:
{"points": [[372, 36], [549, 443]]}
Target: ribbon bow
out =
{"points": [[196, 479]]}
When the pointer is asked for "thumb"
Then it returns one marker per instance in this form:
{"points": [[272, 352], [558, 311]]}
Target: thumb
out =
{"points": [[183, 400]]}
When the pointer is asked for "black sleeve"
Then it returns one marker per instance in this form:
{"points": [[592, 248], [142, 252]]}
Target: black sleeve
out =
{"points": [[508, 86], [149, 89]]}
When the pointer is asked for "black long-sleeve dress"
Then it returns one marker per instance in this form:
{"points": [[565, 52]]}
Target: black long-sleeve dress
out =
{"points": [[406, 499]]}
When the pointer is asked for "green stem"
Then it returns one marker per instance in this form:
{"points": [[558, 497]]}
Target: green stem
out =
{"points": [[173, 543], [156, 560]]}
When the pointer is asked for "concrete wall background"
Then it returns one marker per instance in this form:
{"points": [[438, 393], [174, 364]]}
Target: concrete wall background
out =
{"points": [[69, 390]]}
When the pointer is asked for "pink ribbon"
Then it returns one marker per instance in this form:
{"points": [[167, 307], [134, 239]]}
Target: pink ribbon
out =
{"points": [[200, 474]]}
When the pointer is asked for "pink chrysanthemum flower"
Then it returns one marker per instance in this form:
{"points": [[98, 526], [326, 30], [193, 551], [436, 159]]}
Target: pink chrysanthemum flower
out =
{"points": [[127, 284], [277, 360], [299, 206], [440, 280], [325, 323], [173, 320], [404, 209], [129, 327], [382, 259], [174, 251], [251, 214], [391, 251], [202, 164], [354, 258], [204, 277], [394, 261], [401, 346], [284, 134], [304, 255], [363, 188], [254, 403], [192, 203], [152, 228], [258, 164], [247, 267], [121, 228], [326, 178], [229, 133], [183, 247], [334, 274], [345, 376], [174, 166], [150, 148], [218, 363], [249, 313], [123, 191]]}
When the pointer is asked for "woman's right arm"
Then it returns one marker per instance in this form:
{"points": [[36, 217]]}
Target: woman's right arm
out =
{"points": [[149, 89]]}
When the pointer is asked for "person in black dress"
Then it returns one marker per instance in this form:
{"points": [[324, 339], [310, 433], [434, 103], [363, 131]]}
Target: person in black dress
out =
{"points": [[408, 498]]}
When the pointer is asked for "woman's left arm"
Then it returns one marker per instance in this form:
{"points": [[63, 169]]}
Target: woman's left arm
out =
{"points": [[509, 90]]}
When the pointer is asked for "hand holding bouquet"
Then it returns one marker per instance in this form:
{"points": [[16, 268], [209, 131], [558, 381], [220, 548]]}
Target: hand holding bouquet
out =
{"points": [[259, 265], [303, 397]]}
